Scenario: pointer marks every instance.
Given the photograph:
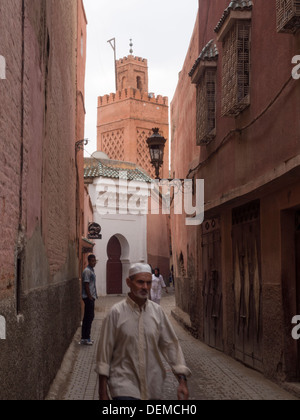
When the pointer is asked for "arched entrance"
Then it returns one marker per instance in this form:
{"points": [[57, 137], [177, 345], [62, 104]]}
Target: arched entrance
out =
{"points": [[114, 267]]}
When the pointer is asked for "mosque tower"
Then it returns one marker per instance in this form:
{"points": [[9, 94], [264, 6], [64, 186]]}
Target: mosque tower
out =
{"points": [[125, 119]]}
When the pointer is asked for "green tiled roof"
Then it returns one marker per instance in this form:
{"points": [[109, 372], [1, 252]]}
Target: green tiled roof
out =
{"points": [[114, 169]]}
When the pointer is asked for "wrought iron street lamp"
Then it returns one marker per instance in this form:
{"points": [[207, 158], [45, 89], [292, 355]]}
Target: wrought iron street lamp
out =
{"points": [[156, 144]]}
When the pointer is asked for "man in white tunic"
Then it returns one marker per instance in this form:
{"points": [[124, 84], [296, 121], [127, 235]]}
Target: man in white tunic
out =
{"points": [[135, 334], [157, 285]]}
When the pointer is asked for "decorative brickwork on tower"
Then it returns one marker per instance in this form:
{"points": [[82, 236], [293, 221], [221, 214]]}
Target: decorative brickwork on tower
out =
{"points": [[113, 144], [132, 72], [126, 118]]}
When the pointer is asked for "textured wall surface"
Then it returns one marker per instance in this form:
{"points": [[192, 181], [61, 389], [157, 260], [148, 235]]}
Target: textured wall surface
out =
{"points": [[253, 158], [39, 286]]}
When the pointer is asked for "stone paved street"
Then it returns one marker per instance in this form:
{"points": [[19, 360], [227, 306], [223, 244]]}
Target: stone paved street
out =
{"points": [[215, 375]]}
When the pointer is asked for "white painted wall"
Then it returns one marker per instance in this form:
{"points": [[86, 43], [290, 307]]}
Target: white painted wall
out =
{"points": [[130, 229]]}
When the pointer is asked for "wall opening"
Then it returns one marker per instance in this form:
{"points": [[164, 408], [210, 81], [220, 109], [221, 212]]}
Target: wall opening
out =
{"points": [[114, 267], [139, 83]]}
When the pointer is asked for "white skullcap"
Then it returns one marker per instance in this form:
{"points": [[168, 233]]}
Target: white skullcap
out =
{"points": [[138, 268]]}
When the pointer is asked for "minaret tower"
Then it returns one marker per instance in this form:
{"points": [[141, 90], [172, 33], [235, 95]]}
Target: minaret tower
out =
{"points": [[132, 72], [126, 118]]}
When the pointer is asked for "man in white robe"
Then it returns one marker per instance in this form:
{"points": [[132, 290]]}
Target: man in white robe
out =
{"points": [[157, 285], [135, 334]]}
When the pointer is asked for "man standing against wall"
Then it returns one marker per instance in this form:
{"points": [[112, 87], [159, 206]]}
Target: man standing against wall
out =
{"points": [[89, 295]]}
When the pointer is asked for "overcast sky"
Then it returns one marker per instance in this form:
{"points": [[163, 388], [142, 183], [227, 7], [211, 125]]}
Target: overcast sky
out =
{"points": [[161, 31]]}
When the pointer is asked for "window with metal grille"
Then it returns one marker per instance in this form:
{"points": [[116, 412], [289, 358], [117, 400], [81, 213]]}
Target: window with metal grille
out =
{"points": [[206, 108], [288, 15], [236, 69]]}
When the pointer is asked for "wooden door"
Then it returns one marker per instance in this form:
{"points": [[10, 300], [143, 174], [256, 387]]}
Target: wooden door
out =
{"points": [[212, 284], [247, 284], [113, 267]]}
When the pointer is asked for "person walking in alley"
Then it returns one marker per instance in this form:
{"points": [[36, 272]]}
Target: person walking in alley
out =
{"points": [[134, 334], [89, 295], [157, 285]]}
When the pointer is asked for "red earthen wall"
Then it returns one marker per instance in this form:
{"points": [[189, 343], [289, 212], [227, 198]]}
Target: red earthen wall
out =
{"points": [[39, 288], [259, 162], [184, 153]]}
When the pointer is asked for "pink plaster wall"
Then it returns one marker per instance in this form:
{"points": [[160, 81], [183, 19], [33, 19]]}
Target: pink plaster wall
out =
{"points": [[39, 287], [260, 162], [184, 151], [10, 133], [275, 137]]}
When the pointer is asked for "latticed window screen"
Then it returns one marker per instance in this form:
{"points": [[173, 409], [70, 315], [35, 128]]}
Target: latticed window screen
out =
{"points": [[206, 107], [288, 15], [236, 69]]}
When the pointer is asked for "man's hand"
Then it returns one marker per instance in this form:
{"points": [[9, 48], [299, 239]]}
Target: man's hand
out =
{"points": [[103, 394], [182, 390], [87, 290]]}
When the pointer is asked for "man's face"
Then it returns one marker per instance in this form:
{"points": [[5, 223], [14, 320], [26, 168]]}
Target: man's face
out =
{"points": [[92, 262], [140, 285]]}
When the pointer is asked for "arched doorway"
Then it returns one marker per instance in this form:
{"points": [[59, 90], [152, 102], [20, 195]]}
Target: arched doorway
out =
{"points": [[114, 267]]}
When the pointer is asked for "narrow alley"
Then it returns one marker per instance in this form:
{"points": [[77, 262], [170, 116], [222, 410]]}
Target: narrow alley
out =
{"points": [[215, 376]]}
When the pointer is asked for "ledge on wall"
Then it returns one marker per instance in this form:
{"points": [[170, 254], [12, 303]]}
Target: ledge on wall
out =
{"points": [[184, 319]]}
